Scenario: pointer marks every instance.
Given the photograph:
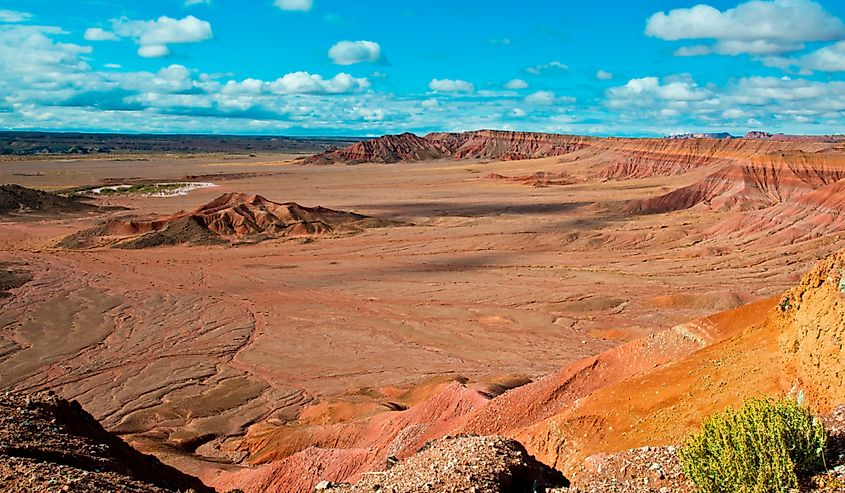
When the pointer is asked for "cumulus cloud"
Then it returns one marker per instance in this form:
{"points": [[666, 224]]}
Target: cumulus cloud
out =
{"points": [[36, 67], [305, 83], [546, 98], [351, 52], [830, 58], [516, 84], [797, 105], [547, 68], [450, 85], [99, 34], [296, 5], [684, 89], [758, 27], [155, 36], [603, 75], [153, 51], [13, 16], [541, 98]]}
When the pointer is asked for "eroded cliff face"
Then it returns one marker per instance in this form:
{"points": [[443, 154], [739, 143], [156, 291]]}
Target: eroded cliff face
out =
{"points": [[385, 149], [750, 183], [482, 144], [812, 319]]}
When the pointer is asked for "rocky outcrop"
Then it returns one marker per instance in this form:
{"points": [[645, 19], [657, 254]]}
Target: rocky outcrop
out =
{"points": [[537, 179], [481, 144], [758, 135], [50, 444], [18, 199], [232, 216], [471, 464], [385, 149], [811, 318], [807, 217], [701, 135], [751, 184], [508, 146]]}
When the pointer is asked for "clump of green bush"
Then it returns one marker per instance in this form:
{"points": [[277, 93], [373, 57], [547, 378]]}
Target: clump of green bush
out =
{"points": [[764, 447]]}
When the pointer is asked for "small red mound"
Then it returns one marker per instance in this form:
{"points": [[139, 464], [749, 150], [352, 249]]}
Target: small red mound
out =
{"points": [[232, 216], [538, 179]]}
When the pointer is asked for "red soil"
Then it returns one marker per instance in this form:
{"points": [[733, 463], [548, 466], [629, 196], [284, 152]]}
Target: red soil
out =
{"points": [[651, 391], [230, 216], [276, 357]]}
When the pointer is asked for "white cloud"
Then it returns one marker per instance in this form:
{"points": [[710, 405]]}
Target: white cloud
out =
{"points": [[546, 98], [830, 58], [646, 91], [694, 50], [113, 65], [13, 16], [450, 85], [297, 5], [98, 34], [154, 36], [153, 51], [351, 52], [734, 113], [516, 84], [517, 113], [546, 67], [541, 98], [758, 27], [305, 83], [190, 3], [603, 75]]}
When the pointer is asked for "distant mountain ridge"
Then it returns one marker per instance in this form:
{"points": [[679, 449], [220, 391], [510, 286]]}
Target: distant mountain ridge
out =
{"points": [[478, 144], [77, 143], [703, 135]]}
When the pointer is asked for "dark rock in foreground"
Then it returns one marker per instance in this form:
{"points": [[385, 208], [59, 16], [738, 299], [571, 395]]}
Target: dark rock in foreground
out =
{"points": [[490, 464], [50, 444], [15, 198]]}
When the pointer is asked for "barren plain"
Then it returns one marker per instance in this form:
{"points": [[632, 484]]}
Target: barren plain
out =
{"points": [[219, 357]]}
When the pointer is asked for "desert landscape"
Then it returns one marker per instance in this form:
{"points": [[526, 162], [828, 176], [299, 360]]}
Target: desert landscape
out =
{"points": [[314, 246], [307, 318]]}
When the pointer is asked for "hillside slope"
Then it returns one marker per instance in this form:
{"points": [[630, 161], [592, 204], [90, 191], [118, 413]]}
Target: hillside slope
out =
{"points": [[651, 391], [50, 444]]}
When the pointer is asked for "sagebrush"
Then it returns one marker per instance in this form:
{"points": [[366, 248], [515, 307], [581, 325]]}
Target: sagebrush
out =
{"points": [[764, 447]]}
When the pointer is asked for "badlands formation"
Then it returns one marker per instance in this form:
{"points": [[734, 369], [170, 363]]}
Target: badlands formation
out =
{"points": [[634, 288]]}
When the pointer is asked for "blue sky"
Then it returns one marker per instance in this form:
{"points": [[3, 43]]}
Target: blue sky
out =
{"points": [[368, 67]]}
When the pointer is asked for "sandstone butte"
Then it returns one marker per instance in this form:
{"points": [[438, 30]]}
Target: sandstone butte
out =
{"points": [[761, 193]]}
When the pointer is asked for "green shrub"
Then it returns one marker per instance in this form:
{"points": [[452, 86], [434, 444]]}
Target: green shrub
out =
{"points": [[761, 448]]}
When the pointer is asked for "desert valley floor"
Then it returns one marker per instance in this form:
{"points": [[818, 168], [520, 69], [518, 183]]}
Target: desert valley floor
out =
{"points": [[482, 275]]}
